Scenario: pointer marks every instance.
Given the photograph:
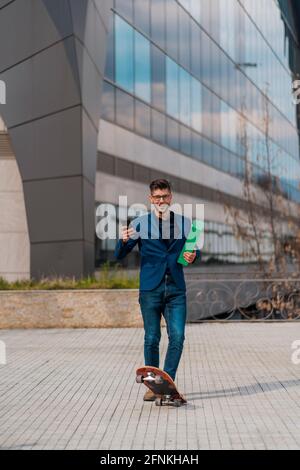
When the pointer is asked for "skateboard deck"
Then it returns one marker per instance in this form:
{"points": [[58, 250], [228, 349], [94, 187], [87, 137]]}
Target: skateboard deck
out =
{"points": [[161, 384]]}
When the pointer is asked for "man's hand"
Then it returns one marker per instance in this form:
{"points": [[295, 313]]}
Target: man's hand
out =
{"points": [[189, 257], [127, 233]]}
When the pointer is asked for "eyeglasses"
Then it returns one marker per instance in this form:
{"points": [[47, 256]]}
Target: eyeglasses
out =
{"points": [[164, 197]]}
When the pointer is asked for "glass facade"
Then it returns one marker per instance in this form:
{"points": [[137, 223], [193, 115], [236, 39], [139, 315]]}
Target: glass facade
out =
{"points": [[205, 78]]}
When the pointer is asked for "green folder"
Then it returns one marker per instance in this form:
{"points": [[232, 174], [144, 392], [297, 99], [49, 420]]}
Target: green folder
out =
{"points": [[197, 228]]}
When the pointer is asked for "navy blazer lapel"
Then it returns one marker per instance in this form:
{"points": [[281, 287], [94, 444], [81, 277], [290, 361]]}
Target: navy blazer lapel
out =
{"points": [[153, 229]]}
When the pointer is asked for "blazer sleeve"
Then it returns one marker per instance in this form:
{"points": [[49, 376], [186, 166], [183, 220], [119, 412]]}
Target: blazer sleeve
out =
{"points": [[122, 249], [198, 255]]}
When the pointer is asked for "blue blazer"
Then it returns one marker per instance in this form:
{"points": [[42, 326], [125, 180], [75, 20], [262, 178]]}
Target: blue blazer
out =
{"points": [[155, 256]]}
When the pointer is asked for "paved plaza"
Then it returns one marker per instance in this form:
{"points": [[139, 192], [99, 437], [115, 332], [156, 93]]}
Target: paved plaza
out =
{"points": [[76, 389]]}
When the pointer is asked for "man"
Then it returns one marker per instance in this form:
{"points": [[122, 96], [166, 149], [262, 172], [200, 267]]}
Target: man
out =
{"points": [[160, 235]]}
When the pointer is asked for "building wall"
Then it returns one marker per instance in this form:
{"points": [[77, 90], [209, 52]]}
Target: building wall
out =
{"points": [[52, 57], [193, 90], [14, 238]]}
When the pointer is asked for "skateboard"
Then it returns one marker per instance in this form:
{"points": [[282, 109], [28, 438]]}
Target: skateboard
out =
{"points": [[161, 384]]}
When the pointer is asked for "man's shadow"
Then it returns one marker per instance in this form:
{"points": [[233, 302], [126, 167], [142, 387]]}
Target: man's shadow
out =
{"points": [[251, 389]]}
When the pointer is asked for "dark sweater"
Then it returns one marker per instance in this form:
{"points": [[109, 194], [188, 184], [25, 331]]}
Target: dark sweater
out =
{"points": [[167, 223]]}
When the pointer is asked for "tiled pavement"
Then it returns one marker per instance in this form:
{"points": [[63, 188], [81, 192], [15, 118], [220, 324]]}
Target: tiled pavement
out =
{"points": [[76, 389]]}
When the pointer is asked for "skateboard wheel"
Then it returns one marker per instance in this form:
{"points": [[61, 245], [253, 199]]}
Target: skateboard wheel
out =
{"points": [[139, 379], [158, 380], [158, 401], [177, 402]]}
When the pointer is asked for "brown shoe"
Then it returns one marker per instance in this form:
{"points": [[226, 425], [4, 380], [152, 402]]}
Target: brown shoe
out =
{"points": [[149, 396]]}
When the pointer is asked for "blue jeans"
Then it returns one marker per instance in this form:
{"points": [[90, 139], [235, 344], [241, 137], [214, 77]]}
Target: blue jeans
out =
{"points": [[170, 301]]}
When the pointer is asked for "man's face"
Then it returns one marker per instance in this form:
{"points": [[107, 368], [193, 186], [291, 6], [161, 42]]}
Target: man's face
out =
{"points": [[161, 198]]}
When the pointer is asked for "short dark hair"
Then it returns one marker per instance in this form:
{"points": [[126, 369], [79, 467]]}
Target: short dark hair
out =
{"points": [[160, 184]]}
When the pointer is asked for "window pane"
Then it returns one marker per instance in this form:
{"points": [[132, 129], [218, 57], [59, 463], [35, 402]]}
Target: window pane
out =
{"points": [[196, 105], [108, 102], [142, 15], [227, 26], [158, 77], [158, 125], [172, 28], [110, 53], [185, 101], [207, 112], [172, 134], [196, 146], [205, 59], [125, 8], [124, 108], [172, 88], [142, 118], [158, 22], [216, 156], [124, 53], [195, 10], [195, 49], [206, 151], [184, 38], [186, 4], [185, 140], [142, 67], [215, 117]]}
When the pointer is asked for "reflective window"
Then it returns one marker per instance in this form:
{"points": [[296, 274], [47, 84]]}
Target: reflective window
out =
{"points": [[158, 126], [207, 112], [186, 4], [124, 109], [196, 145], [193, 7], [172, 133], [142, 118], [195, 10], [124, 53], [216, 156], [184, 38], [196, 108], [110, 52], [108, 102], [158, 62], [205, 59], [125, 7], [227, 26], [172, 28], [185, 140], [229, 127], [158, 22], [185, 96], [195, 50], [142, 15], [215, 118], [206, 155], [142, 67], [215, 19], [257, 58], [172, 88]]}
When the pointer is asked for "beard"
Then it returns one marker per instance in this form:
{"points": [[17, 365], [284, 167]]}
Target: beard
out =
{"points": [[162, 208]]}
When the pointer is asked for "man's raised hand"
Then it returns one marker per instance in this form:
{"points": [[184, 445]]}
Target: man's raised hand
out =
{"points": [[127, 233]]}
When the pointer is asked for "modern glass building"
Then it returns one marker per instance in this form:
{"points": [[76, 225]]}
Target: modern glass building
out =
{"points": [[104, 96], [198, 91]]}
